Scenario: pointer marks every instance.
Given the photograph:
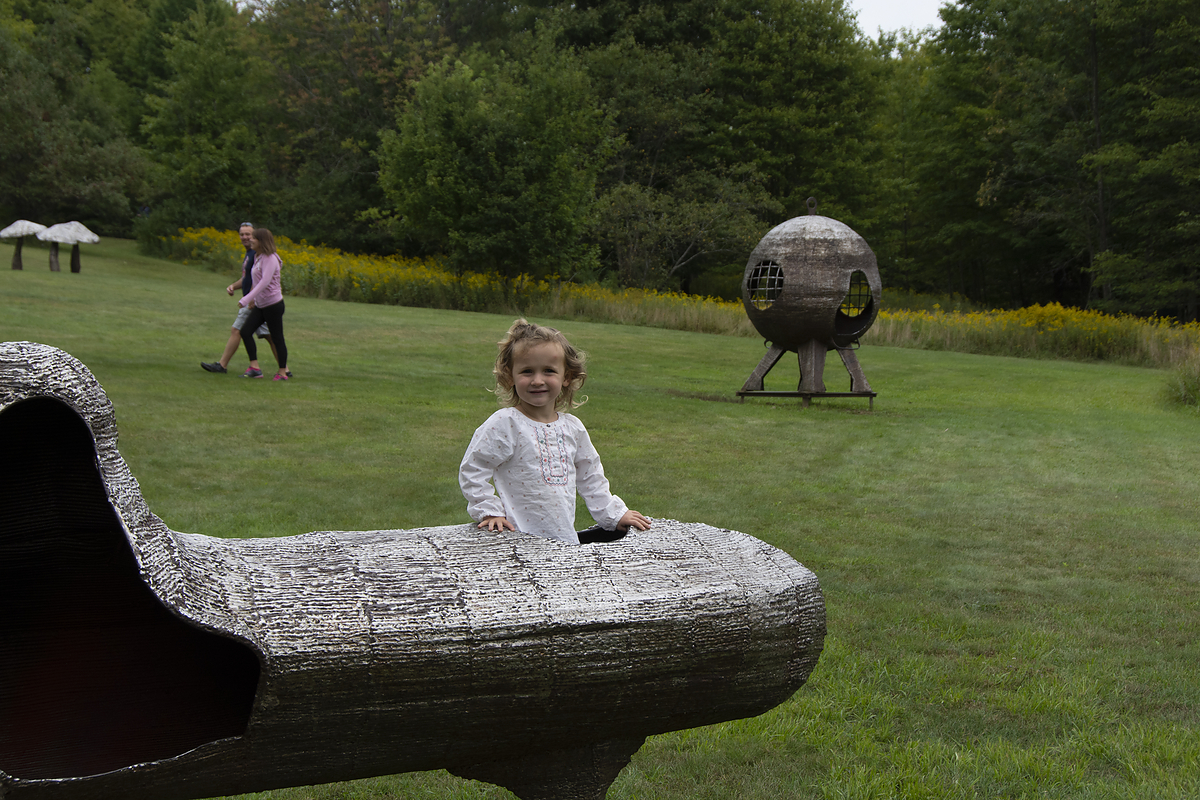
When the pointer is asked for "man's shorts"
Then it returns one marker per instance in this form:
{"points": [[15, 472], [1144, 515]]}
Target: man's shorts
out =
{"points": [[243, 315]]}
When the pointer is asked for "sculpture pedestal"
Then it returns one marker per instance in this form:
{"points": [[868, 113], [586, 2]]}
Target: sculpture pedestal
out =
{"points": [[582, 773], [811, 357]]}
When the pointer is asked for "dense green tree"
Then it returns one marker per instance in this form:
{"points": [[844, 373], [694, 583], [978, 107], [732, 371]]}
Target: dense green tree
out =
{"points": [[655, 236], [673, 25], [1012, 99], [1154, 162], [901, 219], [1051, 157], [939, 127], [495, 164], [147, 65], [104, 32], [341, 69], [664, 213], [732, 114], [66, 155], [202, 128], [1059, 99], [796, 98]]}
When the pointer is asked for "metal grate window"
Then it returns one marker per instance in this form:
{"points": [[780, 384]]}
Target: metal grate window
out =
{"points": [[859, 295], [765, 283]]}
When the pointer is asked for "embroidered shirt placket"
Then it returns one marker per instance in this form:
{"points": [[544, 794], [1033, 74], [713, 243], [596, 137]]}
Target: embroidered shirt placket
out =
{"points": [[553, 454]]}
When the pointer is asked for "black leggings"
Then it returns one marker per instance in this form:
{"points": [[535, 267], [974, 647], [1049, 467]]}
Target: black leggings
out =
{"points": [[273, 316]]}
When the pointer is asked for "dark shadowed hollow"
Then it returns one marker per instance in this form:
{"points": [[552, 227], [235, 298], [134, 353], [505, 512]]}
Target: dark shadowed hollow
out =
{"points": [[95, 673]]}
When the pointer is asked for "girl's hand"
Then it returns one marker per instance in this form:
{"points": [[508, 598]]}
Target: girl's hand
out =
{"points": [[633, 519], [496, 524]]}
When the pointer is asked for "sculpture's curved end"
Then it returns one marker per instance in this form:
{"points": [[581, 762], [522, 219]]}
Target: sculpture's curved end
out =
{"points": [[142, 662], [96, 673], [99, 672]]}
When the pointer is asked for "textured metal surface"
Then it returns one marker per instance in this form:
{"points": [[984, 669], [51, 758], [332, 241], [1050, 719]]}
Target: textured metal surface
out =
{"points": [[803, 290], [816, 257], [143, 662]]}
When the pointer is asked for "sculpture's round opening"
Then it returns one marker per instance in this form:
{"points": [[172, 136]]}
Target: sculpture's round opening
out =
{"points": [[857, 312], [765, 284], [858, 298]]}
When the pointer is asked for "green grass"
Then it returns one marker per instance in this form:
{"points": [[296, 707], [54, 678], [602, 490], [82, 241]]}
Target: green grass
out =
{"points": [[1008, 548]]}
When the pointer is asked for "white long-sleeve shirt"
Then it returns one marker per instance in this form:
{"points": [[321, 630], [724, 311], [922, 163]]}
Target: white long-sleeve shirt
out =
{"points": [[536, 469]]}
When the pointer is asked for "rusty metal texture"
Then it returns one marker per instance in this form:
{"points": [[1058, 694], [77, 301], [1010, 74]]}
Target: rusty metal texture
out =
{"points": [[143, 662]]}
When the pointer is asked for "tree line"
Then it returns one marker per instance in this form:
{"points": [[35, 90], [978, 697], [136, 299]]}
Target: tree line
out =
{"points": [[1024, 151]]}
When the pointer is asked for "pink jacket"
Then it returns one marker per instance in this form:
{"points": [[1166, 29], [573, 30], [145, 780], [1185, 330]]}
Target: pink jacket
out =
{"points": [[267, 290]]}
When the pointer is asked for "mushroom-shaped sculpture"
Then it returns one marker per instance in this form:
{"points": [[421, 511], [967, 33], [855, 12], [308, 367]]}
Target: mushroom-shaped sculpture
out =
{"points": [[19, 230], [72, 233]]}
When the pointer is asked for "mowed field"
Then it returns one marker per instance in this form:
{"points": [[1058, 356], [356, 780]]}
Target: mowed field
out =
{"points": [[1008, 548]]}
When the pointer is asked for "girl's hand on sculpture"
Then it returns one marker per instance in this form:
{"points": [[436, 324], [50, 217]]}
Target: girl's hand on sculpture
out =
{"points": [[496, 524], [633, 519]]}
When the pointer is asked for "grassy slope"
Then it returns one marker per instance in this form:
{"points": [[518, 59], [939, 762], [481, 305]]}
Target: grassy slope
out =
{"points": [[1007, 547]]}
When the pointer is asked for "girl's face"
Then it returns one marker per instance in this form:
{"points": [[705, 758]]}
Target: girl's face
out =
{"points": [[253, 243], [538, 375]]}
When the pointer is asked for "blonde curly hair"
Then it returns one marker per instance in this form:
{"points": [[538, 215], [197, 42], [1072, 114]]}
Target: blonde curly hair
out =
{"points": [[524, 334]]}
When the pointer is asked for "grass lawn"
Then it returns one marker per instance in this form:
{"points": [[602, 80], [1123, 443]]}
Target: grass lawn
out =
{"points": [[1008, 548]]}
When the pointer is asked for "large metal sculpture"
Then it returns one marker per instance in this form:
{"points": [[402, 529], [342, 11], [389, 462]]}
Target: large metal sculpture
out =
{"points": [[142, 662], [810, 286]]}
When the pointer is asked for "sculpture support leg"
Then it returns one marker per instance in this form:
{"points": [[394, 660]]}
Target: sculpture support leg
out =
{"points": [[54, 257], [811, 355], [16, 262], [755, 382], [75, 259], [858, 381], [582, 773]]}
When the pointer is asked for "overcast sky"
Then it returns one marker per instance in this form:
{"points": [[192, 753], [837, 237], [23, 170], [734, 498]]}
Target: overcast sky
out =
{"points": [[893, 14]]}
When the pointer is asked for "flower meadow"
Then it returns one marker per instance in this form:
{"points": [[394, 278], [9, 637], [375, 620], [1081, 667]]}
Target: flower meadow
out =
{"points": [[324, 272], [1050, 331]]}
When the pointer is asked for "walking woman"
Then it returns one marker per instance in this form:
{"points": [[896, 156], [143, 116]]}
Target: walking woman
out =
{"points": [[265, 302]]}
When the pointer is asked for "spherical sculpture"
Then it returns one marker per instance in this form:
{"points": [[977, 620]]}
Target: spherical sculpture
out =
{"points": [[811, 285], [811, 278]]}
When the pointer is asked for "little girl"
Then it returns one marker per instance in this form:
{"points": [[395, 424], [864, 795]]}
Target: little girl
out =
{"points": [[536, 455]]}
